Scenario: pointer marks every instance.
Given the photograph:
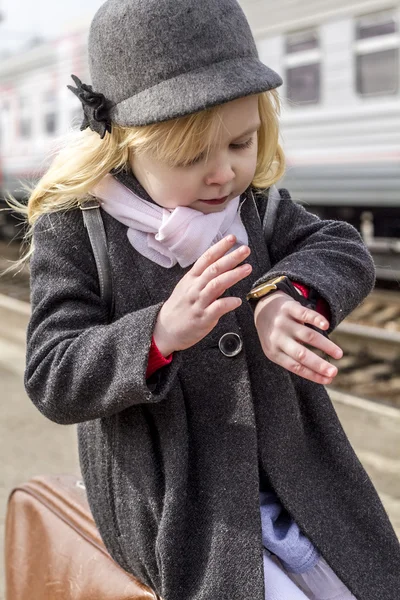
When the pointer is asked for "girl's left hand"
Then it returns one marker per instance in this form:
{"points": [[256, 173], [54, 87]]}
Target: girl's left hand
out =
{"points": [[280, 323]]}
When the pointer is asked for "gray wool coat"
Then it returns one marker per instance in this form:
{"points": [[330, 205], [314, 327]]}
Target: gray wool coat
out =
{"points": [[172, 468]]}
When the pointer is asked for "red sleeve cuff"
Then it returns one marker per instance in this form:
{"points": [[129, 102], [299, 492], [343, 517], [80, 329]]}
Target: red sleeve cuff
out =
{"points": [[156, 360], [322, 306], [302, 288]]}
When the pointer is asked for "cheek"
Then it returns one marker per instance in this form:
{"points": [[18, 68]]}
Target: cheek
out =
{"points": [[179, 190], [185, 186], [248, 166]]}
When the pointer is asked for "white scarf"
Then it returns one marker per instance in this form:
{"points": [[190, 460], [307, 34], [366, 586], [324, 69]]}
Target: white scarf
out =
{"points": [[168, 236]]}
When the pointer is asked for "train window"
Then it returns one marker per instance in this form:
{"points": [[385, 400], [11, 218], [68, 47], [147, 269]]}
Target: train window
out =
{"points": [[25, 128], [377, 54], [4, 124], [382, 23], [50, 115], [303, 67], [303, 84], [377, 72], [50, 123], [301, 40]]}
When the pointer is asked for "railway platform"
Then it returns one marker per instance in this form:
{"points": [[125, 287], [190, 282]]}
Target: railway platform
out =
{"points": [[29, 443]]}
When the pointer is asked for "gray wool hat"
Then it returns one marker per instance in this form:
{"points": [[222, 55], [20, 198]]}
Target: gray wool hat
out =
{"points": [[156, 60]]}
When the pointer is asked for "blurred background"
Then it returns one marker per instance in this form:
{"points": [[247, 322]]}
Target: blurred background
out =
{"points": [[341, 135], [341, 97]]}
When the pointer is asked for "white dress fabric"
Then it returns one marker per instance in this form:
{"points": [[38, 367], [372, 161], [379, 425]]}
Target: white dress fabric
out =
{"points": [[277, 584], [168, 236], [319, 583]]}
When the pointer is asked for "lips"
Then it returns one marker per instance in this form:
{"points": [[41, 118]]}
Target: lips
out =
{"points": [[215, 201]]}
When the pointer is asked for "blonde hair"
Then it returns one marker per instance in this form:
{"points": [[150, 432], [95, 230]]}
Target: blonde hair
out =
{"points": [[86, 158]]}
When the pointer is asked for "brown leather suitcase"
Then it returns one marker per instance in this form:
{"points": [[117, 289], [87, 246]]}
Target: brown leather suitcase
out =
{"points": [[53, 550]]}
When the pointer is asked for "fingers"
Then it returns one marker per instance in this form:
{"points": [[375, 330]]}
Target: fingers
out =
{"points": [[306, 315], [222, 306], [216, 260], [213, 254], [313, 338], [223, 264], [302, 361], [217, 271], [283, 331], [216, 287], [299, 360]]}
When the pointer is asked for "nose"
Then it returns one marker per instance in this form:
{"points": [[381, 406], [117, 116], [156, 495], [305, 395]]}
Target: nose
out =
{"points": [[220, 173]]}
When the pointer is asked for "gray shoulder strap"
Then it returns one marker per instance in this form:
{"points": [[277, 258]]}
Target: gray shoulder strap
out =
{"points": [[98, 239], [270, 213]]}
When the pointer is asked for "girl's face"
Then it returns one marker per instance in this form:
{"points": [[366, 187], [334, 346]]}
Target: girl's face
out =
{"points": [[208, 183]]}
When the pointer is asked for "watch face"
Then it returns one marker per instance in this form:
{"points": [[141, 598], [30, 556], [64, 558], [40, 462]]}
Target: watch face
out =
{"points": [[264, 288], [275, 280]]}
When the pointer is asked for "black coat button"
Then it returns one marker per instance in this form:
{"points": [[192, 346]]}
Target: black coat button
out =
{"points": [[230, 344]]}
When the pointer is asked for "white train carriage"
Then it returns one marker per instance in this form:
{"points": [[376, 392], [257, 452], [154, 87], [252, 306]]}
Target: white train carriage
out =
{"points": [[36, 107], [341, 103], [341, 117]]}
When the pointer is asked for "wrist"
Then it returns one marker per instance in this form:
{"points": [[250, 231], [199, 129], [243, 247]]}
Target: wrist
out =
{"points": [[259, 305], [283, 284], [163, 346], [162, 339]]}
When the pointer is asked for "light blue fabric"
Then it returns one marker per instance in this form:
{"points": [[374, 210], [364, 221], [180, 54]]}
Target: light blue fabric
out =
{"points": [[282, 536]]}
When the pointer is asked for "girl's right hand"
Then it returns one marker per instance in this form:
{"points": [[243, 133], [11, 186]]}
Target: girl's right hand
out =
{"points": [[195, 307]]}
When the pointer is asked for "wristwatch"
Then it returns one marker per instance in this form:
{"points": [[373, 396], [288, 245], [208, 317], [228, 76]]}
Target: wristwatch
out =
{"points": [[284, 284]]}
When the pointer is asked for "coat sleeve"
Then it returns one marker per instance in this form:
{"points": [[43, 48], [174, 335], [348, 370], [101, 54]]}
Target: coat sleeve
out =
{"points": [[326, 255], [80, 367]]}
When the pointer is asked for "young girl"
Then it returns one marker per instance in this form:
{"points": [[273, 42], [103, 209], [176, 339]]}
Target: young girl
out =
{"points": [[214, 462]]}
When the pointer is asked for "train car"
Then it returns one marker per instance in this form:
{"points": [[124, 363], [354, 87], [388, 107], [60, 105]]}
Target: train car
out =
{"points": [[36, 110], [341, 106], [341, 110]]}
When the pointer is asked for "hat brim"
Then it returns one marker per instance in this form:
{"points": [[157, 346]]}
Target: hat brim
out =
{"points": [[195, 91]]}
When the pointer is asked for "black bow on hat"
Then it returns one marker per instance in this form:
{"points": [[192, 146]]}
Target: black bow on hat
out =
{"points": [[95, 107]]}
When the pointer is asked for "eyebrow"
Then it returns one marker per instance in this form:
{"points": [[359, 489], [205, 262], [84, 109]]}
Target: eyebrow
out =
{"points": [[248, 131]]}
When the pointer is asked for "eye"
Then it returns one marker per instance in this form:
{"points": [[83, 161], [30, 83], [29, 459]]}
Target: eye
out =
{"points": [[200, 157], [193, 161], [189, 163], [243, 145]]}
